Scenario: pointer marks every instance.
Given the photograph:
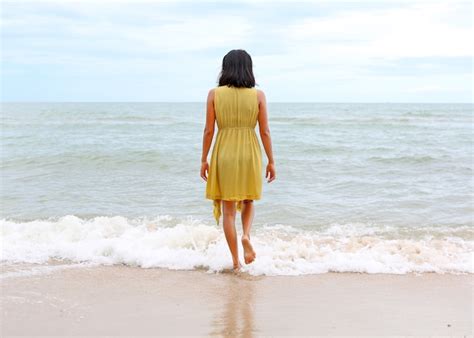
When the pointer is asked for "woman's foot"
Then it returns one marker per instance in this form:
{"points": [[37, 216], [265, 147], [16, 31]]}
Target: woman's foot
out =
{"points": [[249, 253], [237, 267]]}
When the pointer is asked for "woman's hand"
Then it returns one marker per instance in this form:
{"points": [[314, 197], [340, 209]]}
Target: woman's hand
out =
{"points": [[270, 172], [204, 170]]}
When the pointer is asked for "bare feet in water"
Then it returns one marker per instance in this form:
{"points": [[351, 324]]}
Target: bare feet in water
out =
{"points": [[237, 267], [249, 253]]}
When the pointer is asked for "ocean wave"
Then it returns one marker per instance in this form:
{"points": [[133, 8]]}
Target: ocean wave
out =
{"points": [[82, 158], [413, 159], [189, 243]]}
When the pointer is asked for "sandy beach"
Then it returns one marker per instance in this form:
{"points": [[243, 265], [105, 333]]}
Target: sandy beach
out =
{"points": [[120, 300]]}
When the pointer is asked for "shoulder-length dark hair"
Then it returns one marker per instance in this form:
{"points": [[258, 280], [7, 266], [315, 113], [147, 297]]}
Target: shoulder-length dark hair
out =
{"points": [[237, 70]]}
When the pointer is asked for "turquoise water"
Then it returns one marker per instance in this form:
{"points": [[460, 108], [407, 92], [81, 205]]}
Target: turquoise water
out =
{"points": [[360, 187]]}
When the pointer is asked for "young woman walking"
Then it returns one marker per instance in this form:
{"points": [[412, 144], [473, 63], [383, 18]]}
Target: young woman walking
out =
{"points": [[234, 176]]}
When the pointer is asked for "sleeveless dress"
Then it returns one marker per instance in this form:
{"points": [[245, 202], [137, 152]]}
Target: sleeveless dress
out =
{"points": [[235, 168]]}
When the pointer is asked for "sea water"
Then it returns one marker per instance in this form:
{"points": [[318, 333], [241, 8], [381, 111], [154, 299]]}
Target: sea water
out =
{"points": [[372, 188]]}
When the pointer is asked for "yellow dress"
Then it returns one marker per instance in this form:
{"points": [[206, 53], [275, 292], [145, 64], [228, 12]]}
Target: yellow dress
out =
{"points": [[235, 169]]}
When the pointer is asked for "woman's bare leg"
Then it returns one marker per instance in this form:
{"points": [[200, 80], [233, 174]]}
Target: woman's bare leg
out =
{"points": [[229, 230], [248, 213]]}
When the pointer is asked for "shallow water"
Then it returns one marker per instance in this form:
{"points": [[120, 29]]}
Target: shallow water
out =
{"points": [[360, 187]]}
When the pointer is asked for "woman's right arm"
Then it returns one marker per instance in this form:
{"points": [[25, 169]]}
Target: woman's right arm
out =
{"points": [[265, 135], [208, 133]]}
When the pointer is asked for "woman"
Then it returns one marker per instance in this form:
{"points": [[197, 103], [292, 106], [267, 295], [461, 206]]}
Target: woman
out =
{"points": [[235, 172]]}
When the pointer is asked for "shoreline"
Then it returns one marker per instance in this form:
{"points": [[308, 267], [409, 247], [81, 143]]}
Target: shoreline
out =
{"points": [[123, 300]]}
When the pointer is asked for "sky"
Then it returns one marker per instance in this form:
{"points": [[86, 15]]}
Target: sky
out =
{"points": [[308, 51]]}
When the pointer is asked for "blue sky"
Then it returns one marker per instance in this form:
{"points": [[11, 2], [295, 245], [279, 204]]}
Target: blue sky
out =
{"points": [[312, 51]]}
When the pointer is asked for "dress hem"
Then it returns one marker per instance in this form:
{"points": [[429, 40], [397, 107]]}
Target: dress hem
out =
{"points": [[216, 201], [235, 199]]}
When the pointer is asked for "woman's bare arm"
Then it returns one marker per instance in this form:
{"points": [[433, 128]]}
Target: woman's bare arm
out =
{"points": [[208, 133], [265, 134]]}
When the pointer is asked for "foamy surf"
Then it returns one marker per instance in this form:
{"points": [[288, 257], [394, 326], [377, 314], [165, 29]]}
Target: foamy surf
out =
{"points": [[27, 270], [188, 243]]}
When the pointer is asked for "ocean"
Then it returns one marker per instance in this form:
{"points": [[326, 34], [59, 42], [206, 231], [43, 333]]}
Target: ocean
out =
{"points": [[360, 187]]}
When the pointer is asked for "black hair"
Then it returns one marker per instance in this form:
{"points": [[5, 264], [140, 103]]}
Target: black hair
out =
{"points": [[237, 70]]}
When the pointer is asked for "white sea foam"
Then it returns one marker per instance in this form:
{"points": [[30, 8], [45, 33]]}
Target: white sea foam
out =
{"points": [[32, 270], [189, 244]]}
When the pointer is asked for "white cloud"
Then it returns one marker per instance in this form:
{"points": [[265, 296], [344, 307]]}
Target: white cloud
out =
{"points": [[341, 53], [419, 30], [96, 32]]}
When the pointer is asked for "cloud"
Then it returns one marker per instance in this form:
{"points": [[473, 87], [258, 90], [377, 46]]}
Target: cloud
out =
{"points": [[419, 30], [178, 46], [53, 34]]}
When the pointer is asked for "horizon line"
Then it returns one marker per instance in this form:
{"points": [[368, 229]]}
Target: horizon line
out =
{"points": [[268, 102]]}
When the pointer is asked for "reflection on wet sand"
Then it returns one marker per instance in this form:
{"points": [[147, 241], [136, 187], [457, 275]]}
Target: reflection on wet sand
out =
{"points": [[236, 315]]}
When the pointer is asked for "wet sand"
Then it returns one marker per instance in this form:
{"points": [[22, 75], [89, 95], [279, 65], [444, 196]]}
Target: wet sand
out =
{"points": [[127, 301]]}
